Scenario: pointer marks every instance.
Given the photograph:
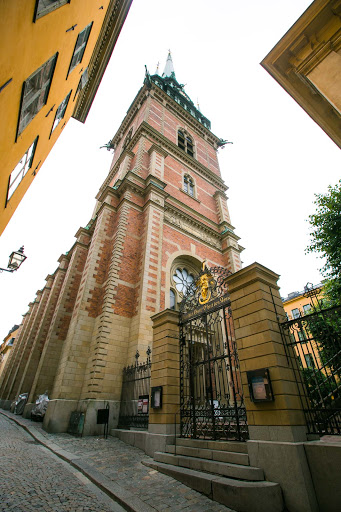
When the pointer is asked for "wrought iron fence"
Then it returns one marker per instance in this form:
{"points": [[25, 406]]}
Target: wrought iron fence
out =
{"points": [[134, 410], [313, 346]]}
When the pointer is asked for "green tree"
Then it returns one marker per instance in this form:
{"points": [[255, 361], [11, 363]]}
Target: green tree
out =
{"points": [[325, 234]]}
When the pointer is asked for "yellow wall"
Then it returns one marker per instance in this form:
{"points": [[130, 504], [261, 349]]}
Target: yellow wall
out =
{"points": [[25, 46]]}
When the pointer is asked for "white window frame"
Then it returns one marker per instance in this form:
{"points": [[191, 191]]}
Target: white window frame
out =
{"points": [[20, 170]]}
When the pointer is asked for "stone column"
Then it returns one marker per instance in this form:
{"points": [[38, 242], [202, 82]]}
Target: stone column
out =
{"points": [[157, 161], [12, 361], [165, 371], [277, 429], [25, 348], [48, 297], [70, 272]]}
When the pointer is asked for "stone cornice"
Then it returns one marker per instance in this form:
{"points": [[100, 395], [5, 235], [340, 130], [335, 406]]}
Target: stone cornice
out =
{"points": [[314, 35], [158, 149], [187, 224], [171, 104], [115, 16], [63, 256]]}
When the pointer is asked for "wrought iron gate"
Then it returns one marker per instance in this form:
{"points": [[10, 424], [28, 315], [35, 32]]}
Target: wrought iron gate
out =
{"points": [[313, 346], [134, 409], [211, 397]]}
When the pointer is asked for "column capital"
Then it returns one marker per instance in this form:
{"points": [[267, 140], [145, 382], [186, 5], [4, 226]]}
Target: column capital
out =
{"points": [[250, 274], [165, 316]]}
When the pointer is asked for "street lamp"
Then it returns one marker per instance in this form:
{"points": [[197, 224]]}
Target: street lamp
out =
{"points": [[15, 260]]}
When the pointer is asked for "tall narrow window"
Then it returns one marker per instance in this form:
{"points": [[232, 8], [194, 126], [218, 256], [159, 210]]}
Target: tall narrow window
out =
{"points": [[185, 142], [35, 92], [45, 6], [189, 145], [60, 112], [295, 313], [80, 46], [171, 299], [21, 169], [189, 185]]}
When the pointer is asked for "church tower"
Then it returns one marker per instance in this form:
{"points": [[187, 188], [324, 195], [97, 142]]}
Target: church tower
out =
{"points": [[159, 214]]}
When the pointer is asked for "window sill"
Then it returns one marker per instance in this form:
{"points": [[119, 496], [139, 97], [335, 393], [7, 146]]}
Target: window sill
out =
{"points": [[189, 195]]}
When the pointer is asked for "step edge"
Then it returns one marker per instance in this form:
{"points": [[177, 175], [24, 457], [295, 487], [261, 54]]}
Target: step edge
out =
{"points": [[219, 478]]}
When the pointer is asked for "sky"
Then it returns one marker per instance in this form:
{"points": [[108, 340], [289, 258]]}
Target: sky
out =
{"points": [[278, 160]]}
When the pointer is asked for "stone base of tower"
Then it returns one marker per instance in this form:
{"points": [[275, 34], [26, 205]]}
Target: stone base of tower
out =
{"points": [[59, 411], [149, 442], [5, 404]]}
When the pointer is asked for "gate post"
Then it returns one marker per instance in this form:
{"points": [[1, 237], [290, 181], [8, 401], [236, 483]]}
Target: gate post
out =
{"points": [[257, 307], [165, 371], [277, 428]]}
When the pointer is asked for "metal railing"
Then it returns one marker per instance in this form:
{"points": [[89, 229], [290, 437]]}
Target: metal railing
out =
{"points": [[313, 347]]}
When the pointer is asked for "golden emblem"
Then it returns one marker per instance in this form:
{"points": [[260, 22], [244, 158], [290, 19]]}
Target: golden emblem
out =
{"points": [[204, 284]]}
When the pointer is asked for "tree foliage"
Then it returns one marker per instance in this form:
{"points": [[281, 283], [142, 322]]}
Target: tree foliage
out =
{"points": [[325, 234]]}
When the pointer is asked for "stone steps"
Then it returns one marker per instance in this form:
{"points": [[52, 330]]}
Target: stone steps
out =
{"points": [[237, 471], [221, 470], [205, 453], [232, 446], [240, 495]]}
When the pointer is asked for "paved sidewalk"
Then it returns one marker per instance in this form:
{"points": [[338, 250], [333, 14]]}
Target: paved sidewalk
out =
{"points": [[117, 469]]}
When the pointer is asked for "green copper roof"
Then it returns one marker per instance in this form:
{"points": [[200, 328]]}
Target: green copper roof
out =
{"points": [[168, 83]]}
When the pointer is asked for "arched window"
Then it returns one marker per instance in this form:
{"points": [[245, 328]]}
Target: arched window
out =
{"points": [[189, 185], [182, 279], [185, 142], [182, 275]]}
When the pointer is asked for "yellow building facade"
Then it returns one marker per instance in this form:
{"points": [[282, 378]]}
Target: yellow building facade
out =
{"points": [[306, 62], [296, 305], [6, 347], [53, 56]]}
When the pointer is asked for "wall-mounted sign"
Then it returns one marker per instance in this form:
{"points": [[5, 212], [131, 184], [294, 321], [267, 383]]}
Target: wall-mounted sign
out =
{"points": [[143, 404], [156, 397], [260, 385], [210, 306]]}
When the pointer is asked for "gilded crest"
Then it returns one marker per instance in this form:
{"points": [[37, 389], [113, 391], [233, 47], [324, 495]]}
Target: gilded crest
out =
{"points": [[205, 283]]}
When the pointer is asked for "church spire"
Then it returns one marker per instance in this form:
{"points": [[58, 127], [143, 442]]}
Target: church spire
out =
{"points": [[169, 84], [169, 68]]}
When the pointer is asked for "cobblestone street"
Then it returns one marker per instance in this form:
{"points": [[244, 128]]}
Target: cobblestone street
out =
{"points": [[32, 477]]}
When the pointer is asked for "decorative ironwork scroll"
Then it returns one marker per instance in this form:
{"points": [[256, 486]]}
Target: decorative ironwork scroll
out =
{"points": [[207, 292], [211, 397]]}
